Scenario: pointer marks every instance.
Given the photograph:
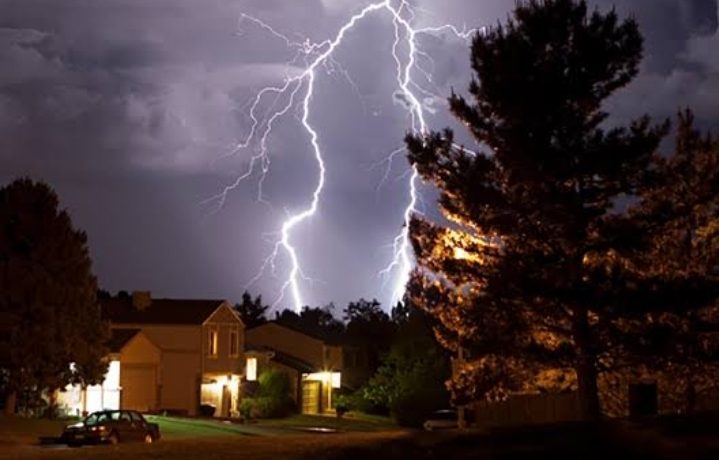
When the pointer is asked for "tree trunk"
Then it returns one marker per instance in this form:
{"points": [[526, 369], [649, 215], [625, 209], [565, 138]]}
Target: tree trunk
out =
{"points": [[691, 396], [10, 402], [586, 367]]}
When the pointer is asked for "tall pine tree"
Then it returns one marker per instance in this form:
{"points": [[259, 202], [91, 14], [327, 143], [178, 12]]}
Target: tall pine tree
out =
{"points": [[517, 286]]}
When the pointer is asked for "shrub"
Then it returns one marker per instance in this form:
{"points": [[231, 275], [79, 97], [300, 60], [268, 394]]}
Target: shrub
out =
{"points": [[271, 398], [264, 407]]}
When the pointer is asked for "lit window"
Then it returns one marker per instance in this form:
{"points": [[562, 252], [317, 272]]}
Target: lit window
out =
{"points": [[234, 342], [212, 337], [251, 369]]}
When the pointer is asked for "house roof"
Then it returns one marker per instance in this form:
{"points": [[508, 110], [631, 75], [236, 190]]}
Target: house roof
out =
{"points": [[160, 311], [284, 358], [332, 340], [120, 338]]}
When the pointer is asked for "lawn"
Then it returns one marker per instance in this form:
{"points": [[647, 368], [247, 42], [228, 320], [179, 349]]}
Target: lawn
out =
{"points": [[21, 430], [664, 438], [349, 423], [184, 428]]}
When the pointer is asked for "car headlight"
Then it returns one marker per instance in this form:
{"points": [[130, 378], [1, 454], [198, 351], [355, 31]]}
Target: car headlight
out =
{"points": [[98, 428]]}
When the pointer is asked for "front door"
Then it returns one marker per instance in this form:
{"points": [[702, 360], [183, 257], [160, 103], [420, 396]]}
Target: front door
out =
{"points": [[226, 401]]}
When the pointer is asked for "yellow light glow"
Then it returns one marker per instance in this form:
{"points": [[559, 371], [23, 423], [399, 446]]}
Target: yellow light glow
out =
{"points": [[336, 379], [251, 369]]}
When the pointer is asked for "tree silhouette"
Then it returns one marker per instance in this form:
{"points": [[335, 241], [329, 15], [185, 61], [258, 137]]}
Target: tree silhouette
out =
{"points": [[511, 281], [315, 321], [48, 290], [252, 311]]}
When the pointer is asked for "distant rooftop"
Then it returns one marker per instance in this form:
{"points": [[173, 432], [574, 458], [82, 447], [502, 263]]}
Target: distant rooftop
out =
{"points": [[159, 311]]}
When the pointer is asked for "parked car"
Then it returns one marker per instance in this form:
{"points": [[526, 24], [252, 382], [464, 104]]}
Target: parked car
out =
{"points": [[442, 420], [111, 427]]}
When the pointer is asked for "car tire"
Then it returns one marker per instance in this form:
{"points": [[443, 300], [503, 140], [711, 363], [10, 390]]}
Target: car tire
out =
{"points": [[148, 439], [113, 439]]}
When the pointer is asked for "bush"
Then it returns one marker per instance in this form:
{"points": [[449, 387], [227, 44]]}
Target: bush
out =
{"points": [[263, 407], [271, 398]]}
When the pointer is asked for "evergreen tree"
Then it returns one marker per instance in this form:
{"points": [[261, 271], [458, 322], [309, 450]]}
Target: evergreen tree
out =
{"points": [[48, 289], [516, 287], [370, 328], [680, 211], [252, 311]]}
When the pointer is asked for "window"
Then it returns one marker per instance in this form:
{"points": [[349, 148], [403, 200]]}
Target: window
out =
{"points": [[137, 418], [212, 337], [251, 369], [234, 342]]}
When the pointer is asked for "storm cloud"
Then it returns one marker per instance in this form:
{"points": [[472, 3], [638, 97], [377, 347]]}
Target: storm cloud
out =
{"points": [[127, 107]]}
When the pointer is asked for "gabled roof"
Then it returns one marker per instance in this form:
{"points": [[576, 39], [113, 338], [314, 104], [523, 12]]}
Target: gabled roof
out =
{"points": [[329, 340], [120, 338], [284, 358], [161, 311]]}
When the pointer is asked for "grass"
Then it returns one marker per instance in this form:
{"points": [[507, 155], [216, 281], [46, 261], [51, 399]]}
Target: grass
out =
{"points": [[22, 430], [663, 438], [184, 428], [351, 422]]}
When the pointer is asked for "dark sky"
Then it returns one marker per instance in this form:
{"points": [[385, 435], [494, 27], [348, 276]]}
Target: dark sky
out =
{"points": [[127, 106]]}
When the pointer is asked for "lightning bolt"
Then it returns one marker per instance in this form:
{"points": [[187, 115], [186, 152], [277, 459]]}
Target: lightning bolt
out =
{"points": [[298, 91]]}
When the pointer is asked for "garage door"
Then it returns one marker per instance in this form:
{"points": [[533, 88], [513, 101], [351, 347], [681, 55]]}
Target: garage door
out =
{"points": [[310, 397], [139, 387]]}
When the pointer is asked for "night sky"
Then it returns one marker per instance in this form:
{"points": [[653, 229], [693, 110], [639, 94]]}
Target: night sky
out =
{"points": [[126, 107]]}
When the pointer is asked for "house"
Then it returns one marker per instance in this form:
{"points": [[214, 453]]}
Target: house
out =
{"points": [[314, 366], [132, 357], [170, 355]]}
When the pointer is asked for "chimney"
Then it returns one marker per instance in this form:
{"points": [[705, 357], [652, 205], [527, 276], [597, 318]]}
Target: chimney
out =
{"points": [[141, 300]]}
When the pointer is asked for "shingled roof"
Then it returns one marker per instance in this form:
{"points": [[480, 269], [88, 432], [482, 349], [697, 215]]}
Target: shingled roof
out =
{"points": [[160, 311]]}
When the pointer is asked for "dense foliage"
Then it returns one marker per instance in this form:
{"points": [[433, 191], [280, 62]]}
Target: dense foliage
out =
{"points": [[47, 296], [542, 269]]}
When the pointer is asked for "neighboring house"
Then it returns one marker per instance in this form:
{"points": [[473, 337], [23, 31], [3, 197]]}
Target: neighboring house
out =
{"points": [[173, 355], [313, 365], [132, 354]]}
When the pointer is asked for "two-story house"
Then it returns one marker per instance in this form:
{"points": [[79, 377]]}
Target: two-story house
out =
{"points": [[169, 355], [313, 365]]}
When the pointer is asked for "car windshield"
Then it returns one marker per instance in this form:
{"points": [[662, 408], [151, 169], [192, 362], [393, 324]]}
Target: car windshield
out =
{"points": [[97, 418]]}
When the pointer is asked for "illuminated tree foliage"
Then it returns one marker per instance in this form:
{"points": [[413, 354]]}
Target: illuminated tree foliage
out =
{"points": [[523, 277], [47, 294], [680, 212]]}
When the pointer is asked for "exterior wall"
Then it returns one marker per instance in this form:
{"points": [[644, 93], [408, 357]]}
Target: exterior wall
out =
{"points": [[287, 341], [180, 382], [180, 365], [223, 321], [140, 374]]}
